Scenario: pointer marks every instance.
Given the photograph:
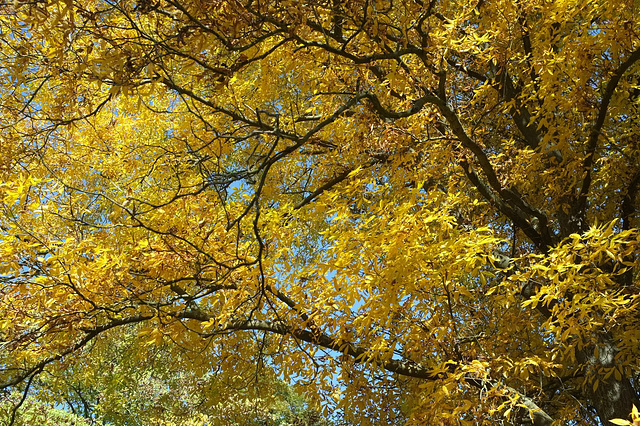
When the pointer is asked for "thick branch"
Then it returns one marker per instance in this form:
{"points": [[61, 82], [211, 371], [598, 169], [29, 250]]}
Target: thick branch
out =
{"points": [[328, 185], [509, 202], [417, 106], [592, 142], [628, 208], [521, 221], [361, 355], [505, 88]]}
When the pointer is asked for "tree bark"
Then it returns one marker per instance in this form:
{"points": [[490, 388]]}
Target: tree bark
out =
{"points": [[611, 398]]}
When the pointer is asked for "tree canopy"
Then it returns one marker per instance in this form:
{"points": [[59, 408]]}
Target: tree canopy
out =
{"points": [[415, 211]]}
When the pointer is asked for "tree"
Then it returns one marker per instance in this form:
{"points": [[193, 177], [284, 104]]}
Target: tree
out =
{"points": [[418, 211], [119, 380], [32, 411]]}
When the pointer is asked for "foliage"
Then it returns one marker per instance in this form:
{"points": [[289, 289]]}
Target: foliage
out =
{"points": [[416, 211], [118, 380], [34, 412]]}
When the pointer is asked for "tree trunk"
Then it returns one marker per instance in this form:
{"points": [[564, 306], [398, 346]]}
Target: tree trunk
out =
{"points": [[612, 398]]}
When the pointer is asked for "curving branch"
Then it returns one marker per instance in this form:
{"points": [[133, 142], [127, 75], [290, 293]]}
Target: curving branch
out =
{"points": [[361, 355], [90, 334], [322, 188], [507, 200], [504, 87], [594, 135]]}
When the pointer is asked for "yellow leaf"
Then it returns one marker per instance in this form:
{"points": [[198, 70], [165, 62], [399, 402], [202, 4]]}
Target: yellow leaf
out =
{"points": [[620, 422]]}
